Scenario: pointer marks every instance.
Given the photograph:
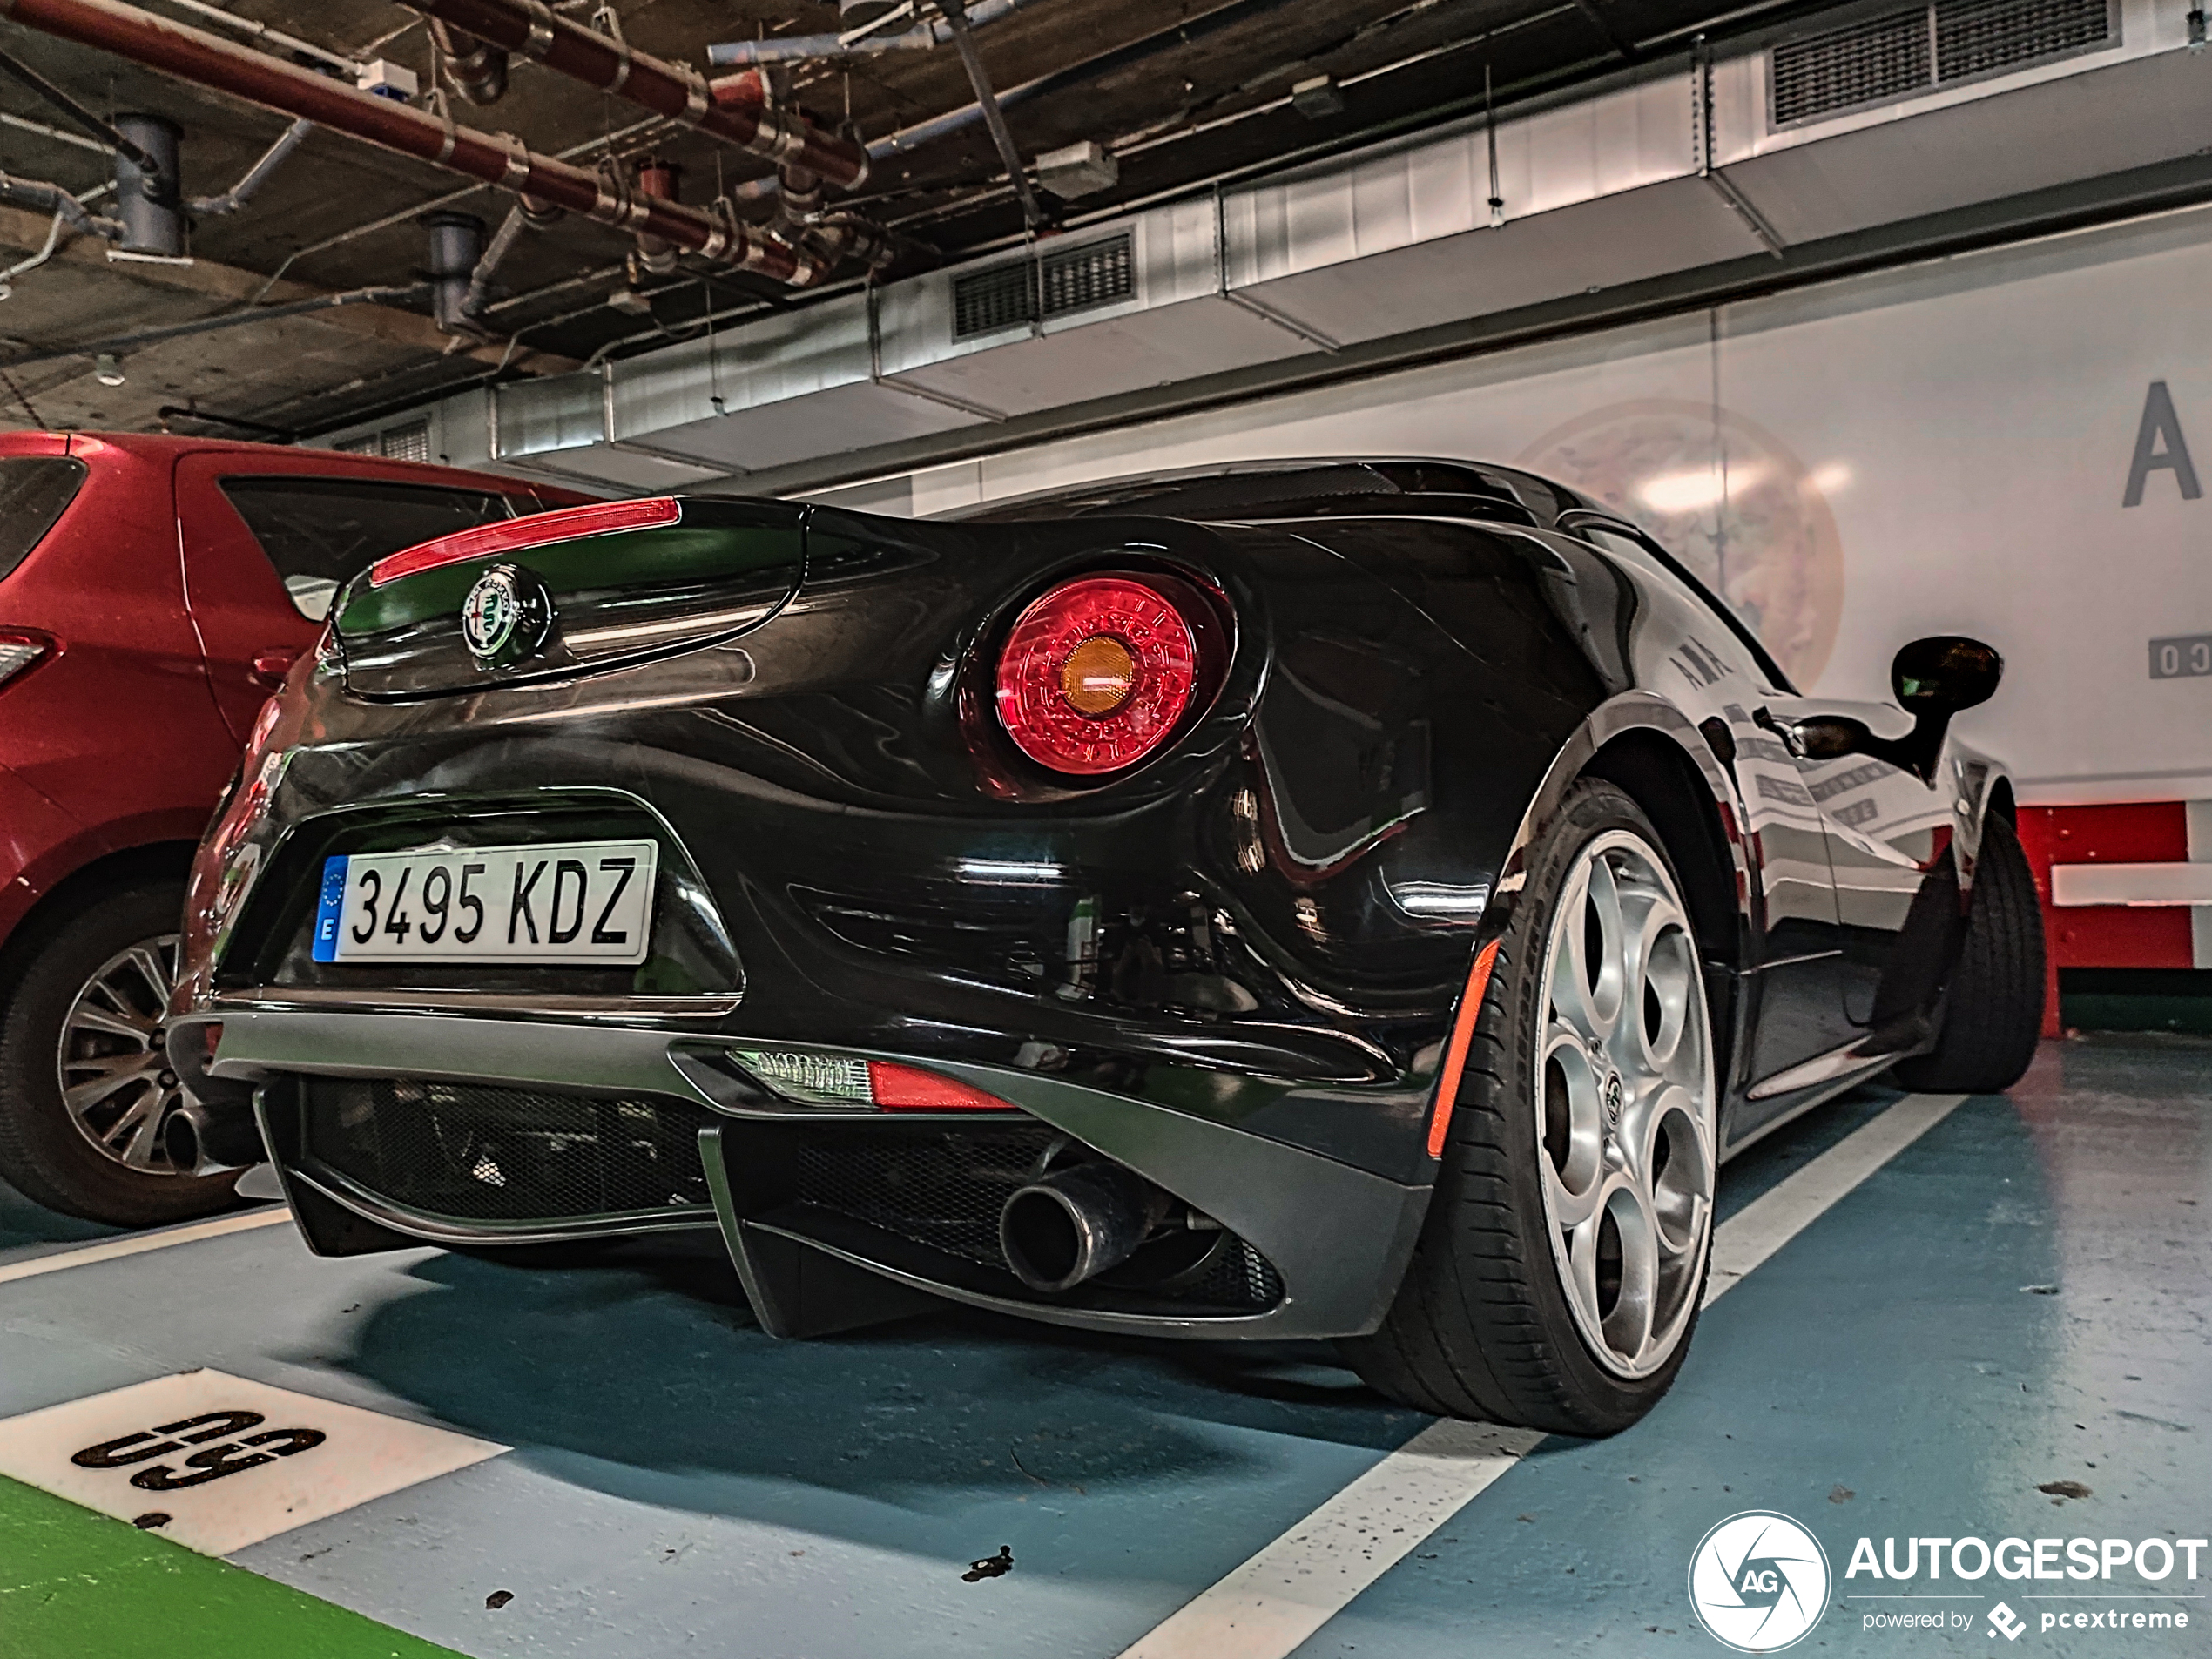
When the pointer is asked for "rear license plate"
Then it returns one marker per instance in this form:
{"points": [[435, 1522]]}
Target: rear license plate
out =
{"points": [[569, 902]]}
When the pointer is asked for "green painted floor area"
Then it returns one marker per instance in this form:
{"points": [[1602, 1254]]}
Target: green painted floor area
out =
{"points": [[78, 1585]]}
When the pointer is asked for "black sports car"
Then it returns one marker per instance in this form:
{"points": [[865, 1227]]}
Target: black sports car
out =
{"points": [[1358, 899]]}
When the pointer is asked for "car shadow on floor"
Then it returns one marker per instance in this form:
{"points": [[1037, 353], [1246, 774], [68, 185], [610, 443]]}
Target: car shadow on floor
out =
{"points": [[643, 1374], [648, 1378], [25, 1226]]}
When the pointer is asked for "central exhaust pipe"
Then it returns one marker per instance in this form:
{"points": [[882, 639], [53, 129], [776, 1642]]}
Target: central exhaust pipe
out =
{"points": [[213, 1139], [1077, 1223]]}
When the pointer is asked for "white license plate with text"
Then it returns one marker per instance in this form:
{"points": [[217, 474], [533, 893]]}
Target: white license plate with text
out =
{"points": [[572, 901]]}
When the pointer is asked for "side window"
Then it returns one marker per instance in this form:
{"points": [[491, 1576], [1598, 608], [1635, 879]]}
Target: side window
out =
{"points": [[33, 491], [320, 532]]}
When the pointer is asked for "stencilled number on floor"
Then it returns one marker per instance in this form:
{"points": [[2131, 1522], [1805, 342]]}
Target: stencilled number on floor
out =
{"points": [[212, 1462]]}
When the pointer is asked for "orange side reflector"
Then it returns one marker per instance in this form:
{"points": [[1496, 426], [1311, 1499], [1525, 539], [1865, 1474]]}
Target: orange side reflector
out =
{"points": [[1455, 1056]]}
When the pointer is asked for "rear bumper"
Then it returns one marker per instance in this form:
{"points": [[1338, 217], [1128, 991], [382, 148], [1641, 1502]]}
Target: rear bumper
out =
{"points": [[1331, 1278]]}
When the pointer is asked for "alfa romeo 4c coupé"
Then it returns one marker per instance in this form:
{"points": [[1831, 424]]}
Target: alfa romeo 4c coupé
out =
{"points": [[1363, 900]]}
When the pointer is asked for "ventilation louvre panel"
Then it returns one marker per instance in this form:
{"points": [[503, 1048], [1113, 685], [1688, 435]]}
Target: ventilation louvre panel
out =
{"points": [[1978, 37], [1882, 59], [409, 442], [1066, 279], [1868, 63]]}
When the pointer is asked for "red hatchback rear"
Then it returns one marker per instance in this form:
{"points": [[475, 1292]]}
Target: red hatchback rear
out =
{"points": [[154, 591]]}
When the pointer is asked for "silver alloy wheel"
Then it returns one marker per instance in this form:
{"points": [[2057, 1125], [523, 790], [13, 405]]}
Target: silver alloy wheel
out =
{"points": [[115, 1076], [1625, 1104]]}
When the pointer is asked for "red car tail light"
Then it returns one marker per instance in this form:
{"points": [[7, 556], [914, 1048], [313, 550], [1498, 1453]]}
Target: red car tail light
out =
{"points": [[1096, 674], [18, 651], [813, 1079], [511, 536]]}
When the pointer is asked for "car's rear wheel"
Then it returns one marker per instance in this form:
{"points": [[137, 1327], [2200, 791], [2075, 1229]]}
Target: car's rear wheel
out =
{"points": [[1559, 1273], [84, 1081], [1993, 1010]]}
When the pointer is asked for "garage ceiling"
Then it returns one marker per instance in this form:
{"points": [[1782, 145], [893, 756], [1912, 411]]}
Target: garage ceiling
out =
{"points": [[1182, 94]]}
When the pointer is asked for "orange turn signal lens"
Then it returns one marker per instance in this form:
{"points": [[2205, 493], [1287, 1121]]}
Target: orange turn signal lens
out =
{"points": [[1098, 675]]}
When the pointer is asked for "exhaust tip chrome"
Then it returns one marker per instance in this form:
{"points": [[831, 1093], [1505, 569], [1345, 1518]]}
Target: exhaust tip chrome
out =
{"points": [[1077, 1223], [200, 1141]]}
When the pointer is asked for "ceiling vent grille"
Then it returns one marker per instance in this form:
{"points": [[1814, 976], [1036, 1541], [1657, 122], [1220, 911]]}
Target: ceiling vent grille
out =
{"points": [[1902, 53], [409, 442], [1978, 37], [1074, 279], [1868, 63]]}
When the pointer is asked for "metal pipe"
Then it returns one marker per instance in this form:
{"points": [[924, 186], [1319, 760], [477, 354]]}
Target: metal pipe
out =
{"points": [[228, 320], [55, 133], [608, 141], [185, 412], [147, 198], [674, 91], [456, 246], [75, 111], [1136, 52], [351, 66], [255, 175], [212, 1137], [1076, 1222], [53, 240], [510, 230], [935, 32], [44, 198], [659, 180], [993, 117], [498, 159], [478, 67]]}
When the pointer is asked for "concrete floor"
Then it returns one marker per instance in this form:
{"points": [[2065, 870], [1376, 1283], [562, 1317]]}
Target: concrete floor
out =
{"points": [[2015, 1299]]}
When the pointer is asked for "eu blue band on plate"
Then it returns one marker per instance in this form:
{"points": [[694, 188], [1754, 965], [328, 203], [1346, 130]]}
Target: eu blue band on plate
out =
{"points": [[332, 907]]}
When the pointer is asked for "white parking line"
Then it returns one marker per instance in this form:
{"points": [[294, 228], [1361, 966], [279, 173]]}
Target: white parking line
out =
{"points": [[1270, 1606], [139, 1243]]}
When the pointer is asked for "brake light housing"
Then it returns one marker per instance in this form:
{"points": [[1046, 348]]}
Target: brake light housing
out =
{"points": [[807, 1078], [536, 529], [1099, 670]]}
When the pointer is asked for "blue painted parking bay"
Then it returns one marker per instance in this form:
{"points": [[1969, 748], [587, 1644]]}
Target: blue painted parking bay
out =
{"points": [[1998, 1328]]}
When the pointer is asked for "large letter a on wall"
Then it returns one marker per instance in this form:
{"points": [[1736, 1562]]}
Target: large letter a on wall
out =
{"points": [[2159, 444]]}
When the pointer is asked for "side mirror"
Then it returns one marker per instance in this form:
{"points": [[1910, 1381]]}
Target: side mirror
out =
{"points": [[1933, 679], [1936, 677]]}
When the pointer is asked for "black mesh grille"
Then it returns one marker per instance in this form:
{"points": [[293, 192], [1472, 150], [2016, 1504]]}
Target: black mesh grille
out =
{"points": [[1976, 37], [1237, 1276], [1067, 280], [941, 1188], [1867, 63], [506, 1155], [1893, 57]]}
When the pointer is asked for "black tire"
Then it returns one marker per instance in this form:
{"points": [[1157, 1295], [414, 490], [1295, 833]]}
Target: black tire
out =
{"points": [[1993, 1010], [42, 1153], [1480, 1327]]}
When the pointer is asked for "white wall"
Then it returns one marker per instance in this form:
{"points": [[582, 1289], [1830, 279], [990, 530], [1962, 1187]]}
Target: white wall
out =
{"points": [[1941, 448]]}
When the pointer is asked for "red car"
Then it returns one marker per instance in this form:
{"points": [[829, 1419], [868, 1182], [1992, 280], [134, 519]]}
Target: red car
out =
{"points": [[154, 591]]}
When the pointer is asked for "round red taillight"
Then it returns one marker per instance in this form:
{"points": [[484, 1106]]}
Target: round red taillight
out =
{"points": [[1096, 674]]}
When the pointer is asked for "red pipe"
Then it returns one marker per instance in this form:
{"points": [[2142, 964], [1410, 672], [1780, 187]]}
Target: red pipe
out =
{"points": [[739, 117], [497, 159]]}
